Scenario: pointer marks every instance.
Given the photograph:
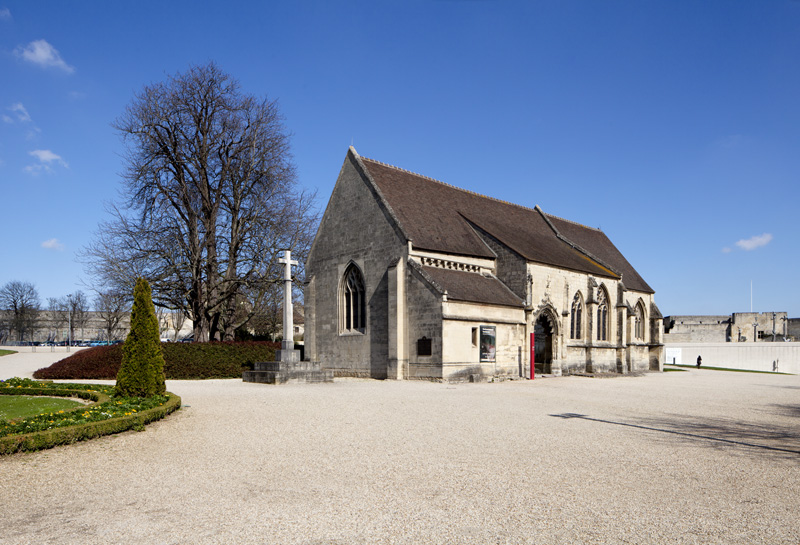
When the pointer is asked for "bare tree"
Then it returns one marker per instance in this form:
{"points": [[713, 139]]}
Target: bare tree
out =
{"points": [[112, 307], [78, 307], [210, 197], [267, 318], [20, 300], [162, 315], [5, 327], [58, 315], [177, 319]]}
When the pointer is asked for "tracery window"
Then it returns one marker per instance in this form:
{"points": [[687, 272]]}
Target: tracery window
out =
{"points": [[352, 304], [638, 322], [602, 315], [575, 331]]}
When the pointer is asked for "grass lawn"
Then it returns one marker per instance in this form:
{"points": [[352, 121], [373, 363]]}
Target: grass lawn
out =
{"points": [[13, 407], [7, 352]]}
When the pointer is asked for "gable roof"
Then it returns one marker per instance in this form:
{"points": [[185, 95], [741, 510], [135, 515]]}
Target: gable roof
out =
{"points": [[440, 217]]}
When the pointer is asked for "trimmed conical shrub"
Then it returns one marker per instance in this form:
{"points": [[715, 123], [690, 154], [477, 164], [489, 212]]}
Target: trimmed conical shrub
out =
{"points": [[142, 370]]}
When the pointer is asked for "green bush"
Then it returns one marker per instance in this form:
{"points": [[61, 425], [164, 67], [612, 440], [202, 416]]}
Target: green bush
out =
{"points": [[98, 363], [181, 361], [141, 373]]}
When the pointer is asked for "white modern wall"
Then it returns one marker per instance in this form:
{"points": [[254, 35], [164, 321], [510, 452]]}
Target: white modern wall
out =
{"points": [[768, 356]]}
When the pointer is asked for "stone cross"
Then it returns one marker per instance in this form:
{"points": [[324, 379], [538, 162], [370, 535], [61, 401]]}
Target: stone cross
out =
{"points": [[288, 309]]}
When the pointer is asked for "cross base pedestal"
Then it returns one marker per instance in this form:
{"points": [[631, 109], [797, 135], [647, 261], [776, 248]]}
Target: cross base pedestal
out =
{"points": [[287, 370]]}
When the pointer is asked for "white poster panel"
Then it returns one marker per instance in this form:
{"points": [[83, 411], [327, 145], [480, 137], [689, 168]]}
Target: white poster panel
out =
{"points": [[673, 356]]}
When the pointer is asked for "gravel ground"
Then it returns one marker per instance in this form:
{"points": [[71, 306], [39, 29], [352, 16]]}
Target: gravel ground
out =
{"points": [[696, 457]]}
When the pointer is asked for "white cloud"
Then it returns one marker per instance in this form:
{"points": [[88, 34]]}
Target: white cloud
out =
{"points": [[5, 14], [53, 244], [22, 114], [754, 242], [45, 55], [726, 250], [46, 158]]}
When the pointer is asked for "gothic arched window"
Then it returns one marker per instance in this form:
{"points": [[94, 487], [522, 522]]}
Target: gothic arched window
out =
{"points": [[575, 331], [602, 315], [638, 321], [352, 304]]}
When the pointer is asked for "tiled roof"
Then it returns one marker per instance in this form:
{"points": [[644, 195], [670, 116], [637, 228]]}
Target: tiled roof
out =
{"points": [[595, 242], [440, 217], [472, 287]]}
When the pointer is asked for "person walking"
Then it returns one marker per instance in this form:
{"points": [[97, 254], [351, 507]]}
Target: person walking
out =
{"points": [[699, 361]]}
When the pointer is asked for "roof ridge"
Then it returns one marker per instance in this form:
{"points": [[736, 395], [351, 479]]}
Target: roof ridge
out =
{"points": [[572, 222], [469, 191]]}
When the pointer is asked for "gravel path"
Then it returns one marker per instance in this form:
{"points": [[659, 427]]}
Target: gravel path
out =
{"points": [[696, 457]]}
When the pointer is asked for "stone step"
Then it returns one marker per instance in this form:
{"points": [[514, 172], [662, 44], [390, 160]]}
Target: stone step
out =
{"points": [[274, 372], [281, 365], [280, 377]]}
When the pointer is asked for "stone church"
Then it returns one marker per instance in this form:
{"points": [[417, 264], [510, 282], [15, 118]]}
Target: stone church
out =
{"points": [[412, 278]]}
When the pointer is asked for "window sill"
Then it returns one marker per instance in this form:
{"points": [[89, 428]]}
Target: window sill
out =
{"points": [[352, 333]]}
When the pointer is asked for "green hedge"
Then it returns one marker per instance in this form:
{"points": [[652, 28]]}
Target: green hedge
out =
{"points": [[182, 361], [65, 433], [64, 436], [91, 395]]}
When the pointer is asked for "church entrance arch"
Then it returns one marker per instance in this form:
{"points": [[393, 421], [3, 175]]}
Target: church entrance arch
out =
{"points": [[543, 334]]}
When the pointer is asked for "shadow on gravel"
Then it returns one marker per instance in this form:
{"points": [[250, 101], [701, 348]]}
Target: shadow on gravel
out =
{"points": [[718, 433], [788, 410]]}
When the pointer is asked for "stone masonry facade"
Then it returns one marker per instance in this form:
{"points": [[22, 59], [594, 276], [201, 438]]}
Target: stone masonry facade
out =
{"points": [[453, 290]]}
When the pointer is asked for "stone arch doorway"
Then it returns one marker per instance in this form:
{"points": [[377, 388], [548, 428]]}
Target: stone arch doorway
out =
{"points": [[543, 335]]}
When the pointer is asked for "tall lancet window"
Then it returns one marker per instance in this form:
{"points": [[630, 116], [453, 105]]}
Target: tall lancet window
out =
{"points": [[639, 321], [352, 306], [575, 331], [602, 315]]}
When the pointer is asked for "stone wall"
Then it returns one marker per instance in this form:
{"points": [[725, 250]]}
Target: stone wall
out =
{"points": [[738, 327], [556, 289], [793, 328], [424, 307], [462, 323], [711, 329], [758, 326], [355, 228]]}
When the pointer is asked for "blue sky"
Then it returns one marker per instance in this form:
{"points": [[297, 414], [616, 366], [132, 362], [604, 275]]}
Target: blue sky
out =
{"points": [[672, 125]]}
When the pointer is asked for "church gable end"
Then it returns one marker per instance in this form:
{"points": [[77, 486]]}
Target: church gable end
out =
{"points": [[357, 233]]}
